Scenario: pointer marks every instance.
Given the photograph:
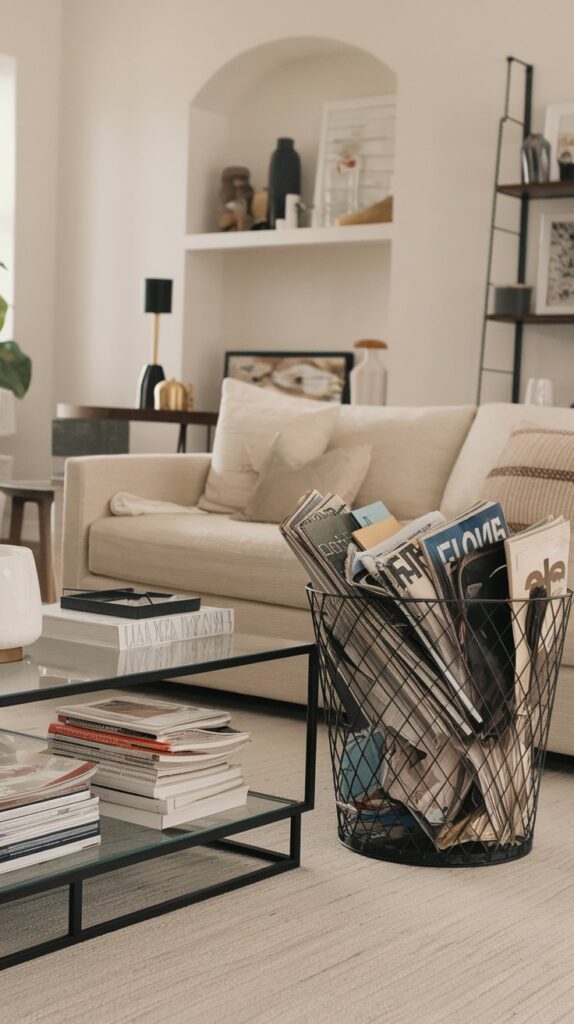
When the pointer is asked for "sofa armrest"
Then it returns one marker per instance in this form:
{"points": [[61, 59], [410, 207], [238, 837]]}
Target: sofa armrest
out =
{"points": [[92, 481]]}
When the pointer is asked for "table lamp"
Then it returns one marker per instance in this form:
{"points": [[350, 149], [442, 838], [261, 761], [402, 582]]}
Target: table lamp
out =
{"points": [[157, 300]]}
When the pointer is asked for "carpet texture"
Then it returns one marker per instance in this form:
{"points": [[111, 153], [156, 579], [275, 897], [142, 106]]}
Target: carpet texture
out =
{"points": [[342, 939]]}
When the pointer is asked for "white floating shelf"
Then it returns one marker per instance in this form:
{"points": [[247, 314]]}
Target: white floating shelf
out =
{"points": [[355, 234]]}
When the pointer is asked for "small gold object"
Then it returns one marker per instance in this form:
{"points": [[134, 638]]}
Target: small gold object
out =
{"points": [[378, 213], [189, 392], [171, 395]]}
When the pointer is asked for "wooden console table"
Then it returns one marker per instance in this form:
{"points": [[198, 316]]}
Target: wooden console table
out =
{"points": [[101, 412]]}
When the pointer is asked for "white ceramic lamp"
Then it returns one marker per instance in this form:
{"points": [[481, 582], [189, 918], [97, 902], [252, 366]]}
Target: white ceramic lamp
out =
{"points": [[20, 601]]}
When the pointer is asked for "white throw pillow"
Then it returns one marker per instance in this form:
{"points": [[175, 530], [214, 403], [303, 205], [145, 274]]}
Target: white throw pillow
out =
{"points": [[250, 418]]}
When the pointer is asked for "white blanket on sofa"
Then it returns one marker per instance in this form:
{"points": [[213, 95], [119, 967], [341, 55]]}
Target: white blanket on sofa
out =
{"points": [[125, 504]]}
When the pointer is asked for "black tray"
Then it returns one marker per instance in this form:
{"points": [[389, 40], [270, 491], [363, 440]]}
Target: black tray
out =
{"points": [[118, 602]]}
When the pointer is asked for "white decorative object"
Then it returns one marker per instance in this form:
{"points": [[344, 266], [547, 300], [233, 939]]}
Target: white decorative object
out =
{"points": [[559, 130], [539, 391], [7, 413], [356, 157], [20, 602], [368, 379], [555, 280], [292, 201]]}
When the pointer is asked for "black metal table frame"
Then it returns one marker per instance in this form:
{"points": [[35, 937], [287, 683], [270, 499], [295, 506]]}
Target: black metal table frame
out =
{"points": [[219, 837]]}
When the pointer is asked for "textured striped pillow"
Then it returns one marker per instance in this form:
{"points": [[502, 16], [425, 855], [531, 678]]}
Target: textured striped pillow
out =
{"points": [[534, 478]]}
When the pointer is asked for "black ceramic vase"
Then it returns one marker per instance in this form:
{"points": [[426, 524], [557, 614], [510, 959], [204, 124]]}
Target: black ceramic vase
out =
{"points": [[284, 178], [151, 375]]}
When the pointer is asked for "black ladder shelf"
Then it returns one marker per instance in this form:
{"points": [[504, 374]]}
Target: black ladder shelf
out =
{"points": [[521, 234], [525, 192]]}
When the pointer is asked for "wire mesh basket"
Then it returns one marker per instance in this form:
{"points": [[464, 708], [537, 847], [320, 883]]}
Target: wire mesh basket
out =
{"points": [[438, 715]]}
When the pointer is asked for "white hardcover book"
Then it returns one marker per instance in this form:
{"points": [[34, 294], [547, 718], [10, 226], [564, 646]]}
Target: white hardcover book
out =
{"points": [[124, 634], [51, 854], [165, 805], [50, 805], [190, 812], [20, 833], [159, 788]]}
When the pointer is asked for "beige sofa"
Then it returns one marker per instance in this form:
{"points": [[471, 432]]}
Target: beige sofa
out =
{"points": [[423, 458]]}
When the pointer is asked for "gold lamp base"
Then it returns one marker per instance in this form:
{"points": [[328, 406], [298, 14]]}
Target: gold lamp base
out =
{"points": [[11, 654]]}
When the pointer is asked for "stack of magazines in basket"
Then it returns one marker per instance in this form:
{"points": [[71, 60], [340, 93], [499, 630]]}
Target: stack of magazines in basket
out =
{"points": [[435, 671], [158, 764], [46, 808]]}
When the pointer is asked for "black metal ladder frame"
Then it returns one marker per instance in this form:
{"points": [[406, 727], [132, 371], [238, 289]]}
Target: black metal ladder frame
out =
{"points": [[522, 233]]}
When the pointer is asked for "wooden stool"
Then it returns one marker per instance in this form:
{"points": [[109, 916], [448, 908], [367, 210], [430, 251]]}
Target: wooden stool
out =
{"points": [[40, 493]]}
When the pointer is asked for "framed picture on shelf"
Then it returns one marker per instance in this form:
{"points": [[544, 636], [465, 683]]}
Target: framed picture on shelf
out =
{"points": [[559, 130], [555, 280], [323, 376], [356, 157]]}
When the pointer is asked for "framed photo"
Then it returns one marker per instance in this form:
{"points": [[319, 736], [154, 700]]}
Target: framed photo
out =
{"points": [[559, 130], [555, 281], [356, 157], [323, 376]]}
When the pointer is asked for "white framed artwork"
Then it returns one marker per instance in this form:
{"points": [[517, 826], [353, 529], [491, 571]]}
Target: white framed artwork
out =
{"points": [[559, 130], [555, 280], [356, 156]]}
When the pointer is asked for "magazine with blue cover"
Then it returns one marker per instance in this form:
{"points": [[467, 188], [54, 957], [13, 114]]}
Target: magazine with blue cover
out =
{"points": [[443, 547]]}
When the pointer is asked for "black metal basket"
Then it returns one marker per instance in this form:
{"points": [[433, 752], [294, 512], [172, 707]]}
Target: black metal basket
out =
{"points": [[438, 715]]}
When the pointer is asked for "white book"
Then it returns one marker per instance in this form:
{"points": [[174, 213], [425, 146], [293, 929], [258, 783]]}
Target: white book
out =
{"points": [[88, 813], [170, 786], [165, 805], [141, 769], [143, 715], [48, 806], [52, 854], [191, 812], [124, 634]]}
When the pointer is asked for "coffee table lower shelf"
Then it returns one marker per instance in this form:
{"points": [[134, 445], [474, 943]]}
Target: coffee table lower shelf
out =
{"points": [[124, 844]]}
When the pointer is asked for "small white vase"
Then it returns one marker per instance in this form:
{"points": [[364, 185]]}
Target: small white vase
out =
{"points": [[368, 380], [20, 601]]}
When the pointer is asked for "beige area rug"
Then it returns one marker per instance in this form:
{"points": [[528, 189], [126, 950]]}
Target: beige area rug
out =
{"points": [[342, 939]]}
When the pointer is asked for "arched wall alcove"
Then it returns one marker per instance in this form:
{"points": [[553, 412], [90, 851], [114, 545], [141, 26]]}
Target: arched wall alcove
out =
{"points": [[301, 298]]}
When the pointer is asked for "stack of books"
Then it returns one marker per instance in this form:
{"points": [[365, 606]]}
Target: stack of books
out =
{"points": [[159, 764], [46, 808]]}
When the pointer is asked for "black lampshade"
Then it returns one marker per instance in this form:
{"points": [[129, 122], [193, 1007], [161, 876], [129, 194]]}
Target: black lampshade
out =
{"points": [[158, 295]]}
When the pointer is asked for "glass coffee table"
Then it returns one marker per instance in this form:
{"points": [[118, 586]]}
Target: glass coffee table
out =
{"points": [[54, 668]]}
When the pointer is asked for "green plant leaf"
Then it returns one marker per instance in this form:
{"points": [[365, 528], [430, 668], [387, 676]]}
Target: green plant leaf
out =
{"points": [[3, 311], [15, 368]]}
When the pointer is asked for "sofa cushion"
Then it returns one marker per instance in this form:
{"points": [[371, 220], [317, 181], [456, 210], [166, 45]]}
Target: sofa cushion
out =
{"points": [[488, 435], [341, 470], [533, 479], [250, 420], [211, 554], [414, 450]]}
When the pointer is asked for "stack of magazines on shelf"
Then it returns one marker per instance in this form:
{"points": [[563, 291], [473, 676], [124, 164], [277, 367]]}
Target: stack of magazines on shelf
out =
{"points": [[46, 808], [435, 647], [159, 764]]}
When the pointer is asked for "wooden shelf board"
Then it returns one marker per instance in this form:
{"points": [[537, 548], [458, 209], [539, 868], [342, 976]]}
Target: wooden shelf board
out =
{"points": [[539, 190], [534, 318], [353, 234]]}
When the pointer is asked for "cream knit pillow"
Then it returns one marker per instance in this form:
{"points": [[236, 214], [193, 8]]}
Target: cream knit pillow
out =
{"points": [[340, 471], [250, 418], [534, 478]]}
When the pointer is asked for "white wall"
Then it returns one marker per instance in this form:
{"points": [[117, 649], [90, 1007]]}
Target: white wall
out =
{"points": [[132, 68], [30, 33]]}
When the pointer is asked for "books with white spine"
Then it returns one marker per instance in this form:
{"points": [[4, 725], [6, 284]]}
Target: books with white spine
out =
{"points": [[229, 778], [190, 812], [124, 634]]}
